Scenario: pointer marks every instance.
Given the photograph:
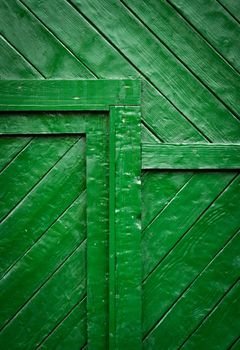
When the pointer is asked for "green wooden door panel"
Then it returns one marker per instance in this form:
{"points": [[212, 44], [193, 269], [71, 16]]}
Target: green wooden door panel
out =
{"points": [[64, 204]]}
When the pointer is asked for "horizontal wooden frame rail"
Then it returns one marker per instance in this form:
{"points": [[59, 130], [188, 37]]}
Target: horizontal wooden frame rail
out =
{"points": [[191, 156], [121, 100], [67, 95]]}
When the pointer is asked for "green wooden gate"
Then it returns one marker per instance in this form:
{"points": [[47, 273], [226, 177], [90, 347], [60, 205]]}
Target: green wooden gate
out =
{"points": [[67, 151], [75, 270]]}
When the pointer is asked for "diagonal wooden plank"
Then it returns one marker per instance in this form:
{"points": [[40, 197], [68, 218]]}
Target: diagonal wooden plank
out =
{"points": [[147, 135], [198, 300], [71, 333], [190, 49], [76, 27], [191, 255], [222, 326], [28, 167], [165, 71], [51, 303], [10, 148], [13, 65], [53, 247], [43, 203], [155, 182], [165, 120], [179, 216], [235, 345], [233, 7], [222, 32], [51, 56]]}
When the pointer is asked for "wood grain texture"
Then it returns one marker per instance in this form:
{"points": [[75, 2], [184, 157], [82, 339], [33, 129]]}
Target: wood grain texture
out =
{"points": [[233, 7], [187, 54], [127, 258], [165, 71], [192, 253], [198, 301], [215, 329], [215, 24], [191, 49], [190, 156], [45, 95], [168, 227]]}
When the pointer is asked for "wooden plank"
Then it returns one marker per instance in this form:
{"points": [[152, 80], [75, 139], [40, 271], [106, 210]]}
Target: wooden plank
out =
{"points": [[191, 255], [29, 123], [125, 201], [97, 232], [65, 95], [112, 230], [222, 326], [233, 7], [162, 117], [190, 156], [220, 29], [191, 49], [162, 69], [198, 301]]}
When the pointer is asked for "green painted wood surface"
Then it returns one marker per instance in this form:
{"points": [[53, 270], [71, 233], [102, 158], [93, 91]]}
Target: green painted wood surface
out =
{"points": [[187, 55], [52, 227], [191, 156], [67, 94], [55, 186], [43, 255]]}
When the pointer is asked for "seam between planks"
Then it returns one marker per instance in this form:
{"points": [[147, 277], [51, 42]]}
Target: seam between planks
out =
{"points": [[229, 12], [165, 206], [233, 343], [16, 155]]}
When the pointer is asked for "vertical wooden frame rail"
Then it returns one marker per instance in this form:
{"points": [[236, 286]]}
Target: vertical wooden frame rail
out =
{"points": [[111, 123], [125, 212]]}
